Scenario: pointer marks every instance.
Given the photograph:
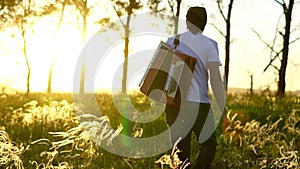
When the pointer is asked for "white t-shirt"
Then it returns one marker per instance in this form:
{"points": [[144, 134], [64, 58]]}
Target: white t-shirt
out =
{"points": [[204, 50]]}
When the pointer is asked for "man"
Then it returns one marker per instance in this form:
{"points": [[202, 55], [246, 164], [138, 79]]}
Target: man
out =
{"points": [[193, 114]]}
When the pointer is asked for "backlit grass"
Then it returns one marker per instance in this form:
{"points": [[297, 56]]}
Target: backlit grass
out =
{"points": [[47, 131]]}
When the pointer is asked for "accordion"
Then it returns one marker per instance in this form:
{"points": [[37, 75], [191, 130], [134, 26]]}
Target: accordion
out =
{"points": [[168, 76]]}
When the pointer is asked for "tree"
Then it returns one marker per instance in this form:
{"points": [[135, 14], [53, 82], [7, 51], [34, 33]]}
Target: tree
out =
{"points": [[175, 13], [283, 53], [287, 10], [7, 7], [22, 13], [48, 10], [227, 35], [82, 7], [21, 17], [126, 8]]}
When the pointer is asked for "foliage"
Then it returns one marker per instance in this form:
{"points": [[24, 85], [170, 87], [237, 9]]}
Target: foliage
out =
{"points": [[126, 7], [6, 7], [154, 5]]}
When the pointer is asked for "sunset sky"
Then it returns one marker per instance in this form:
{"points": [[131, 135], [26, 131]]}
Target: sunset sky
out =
{"points": [[248, 54]]}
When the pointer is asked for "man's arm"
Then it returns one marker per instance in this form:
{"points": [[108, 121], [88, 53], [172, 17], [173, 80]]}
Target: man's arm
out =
{"points": [[218, 89]]}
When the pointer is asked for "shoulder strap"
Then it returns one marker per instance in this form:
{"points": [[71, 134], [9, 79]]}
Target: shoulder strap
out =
{"points": [[176, 41]]}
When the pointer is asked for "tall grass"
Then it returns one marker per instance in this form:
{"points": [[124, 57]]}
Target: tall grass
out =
{"points": [[10, 153], [264, 133], [45, 131], [172, 160]]}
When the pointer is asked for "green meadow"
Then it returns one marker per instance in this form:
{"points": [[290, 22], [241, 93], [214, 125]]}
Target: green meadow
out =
{"points": [[45, 131]]}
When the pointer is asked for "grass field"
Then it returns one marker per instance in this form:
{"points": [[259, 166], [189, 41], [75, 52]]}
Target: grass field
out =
{"points": [[46, 131]]}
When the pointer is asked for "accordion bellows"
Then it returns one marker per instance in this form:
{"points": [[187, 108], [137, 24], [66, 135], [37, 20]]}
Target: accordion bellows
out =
{"points": [[168, 76]]}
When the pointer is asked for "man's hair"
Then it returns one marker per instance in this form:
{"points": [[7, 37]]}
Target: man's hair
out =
{"points": [[197, 17]]}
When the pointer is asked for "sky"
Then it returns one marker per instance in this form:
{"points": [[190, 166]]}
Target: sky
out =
{"points": [[248, 54]]}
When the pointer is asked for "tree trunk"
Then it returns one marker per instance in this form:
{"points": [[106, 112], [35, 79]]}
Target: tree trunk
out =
{"points": [[227, 54], [286, 40], [49, 88], [251, 84], [227, 43], [26, 57], [82, 76], [126, 53], [176, 20], [125, 66]]}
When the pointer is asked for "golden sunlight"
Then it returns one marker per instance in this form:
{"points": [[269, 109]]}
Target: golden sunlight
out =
{"points": [[66, 45]]}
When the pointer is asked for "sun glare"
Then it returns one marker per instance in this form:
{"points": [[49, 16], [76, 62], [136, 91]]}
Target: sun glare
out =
{"points": [[66, 45]]}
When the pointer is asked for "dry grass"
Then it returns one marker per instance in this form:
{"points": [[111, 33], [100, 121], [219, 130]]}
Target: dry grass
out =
{"points": [[78, 141], [43, 133], [173, 160], [10, 153], [261, 146]]}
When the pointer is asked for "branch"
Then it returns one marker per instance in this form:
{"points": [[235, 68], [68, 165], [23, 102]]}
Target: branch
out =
{"points": [[278, 2], [283, 4], [273, 44], [172, 7], [271, 47], [232, 40], [229, 9], [119, 16], [277, 30], [271, 61], [221, 11], [293, 41], [275, 67], [64, 3], [81, 5], [268, 45], [296, 28], [218, 30]]}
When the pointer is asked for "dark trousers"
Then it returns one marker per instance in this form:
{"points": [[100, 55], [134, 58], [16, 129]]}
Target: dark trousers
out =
{"points": [[192, 116]]}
